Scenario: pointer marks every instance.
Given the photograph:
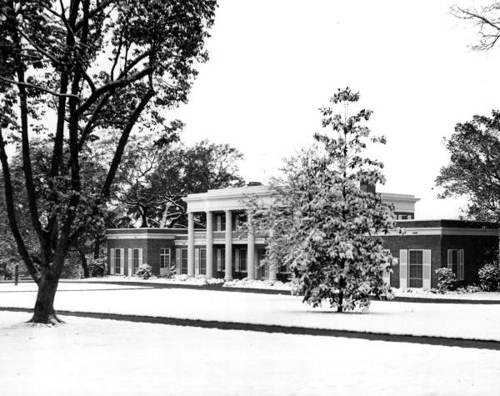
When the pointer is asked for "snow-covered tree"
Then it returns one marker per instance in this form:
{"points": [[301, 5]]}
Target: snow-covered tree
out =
{"points": [[323, 224]]}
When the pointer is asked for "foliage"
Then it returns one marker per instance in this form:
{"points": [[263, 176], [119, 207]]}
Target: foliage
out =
{"points": [[72, 268], [469, 289], [152, 186], [322, 224], [446, 279], [97, 267], [474, 166], [489, 277], [94, 67], [144, 271]]}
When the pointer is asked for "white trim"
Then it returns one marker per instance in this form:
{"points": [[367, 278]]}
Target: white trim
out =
{"points": [[141, 236], [408, 231]]}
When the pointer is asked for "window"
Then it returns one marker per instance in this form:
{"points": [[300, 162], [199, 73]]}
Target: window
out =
{"points": [[118, 261], [165, 258], [220, 259], [404, 216], [135, 259], [456, 262], [415, 273], [220, 222], [203, 261], [184, 261], [240, 260]]}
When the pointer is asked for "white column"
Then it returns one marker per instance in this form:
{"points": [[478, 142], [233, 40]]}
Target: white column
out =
{"points": [[190, 244], [229, 247], [250, 249], [210, 245]]}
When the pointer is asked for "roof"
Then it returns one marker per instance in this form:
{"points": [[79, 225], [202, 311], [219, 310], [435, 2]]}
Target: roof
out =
{"points": [[446, 223]]}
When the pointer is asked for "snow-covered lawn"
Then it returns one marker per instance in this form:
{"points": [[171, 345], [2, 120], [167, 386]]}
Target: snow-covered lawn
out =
{"points": [[105, 357], [283, 286], [193, 281], [448, 320], [420, 293], [176, 280]]}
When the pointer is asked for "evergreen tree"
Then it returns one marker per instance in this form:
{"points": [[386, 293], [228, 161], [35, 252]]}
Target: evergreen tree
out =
{"points": [[322, 223]]}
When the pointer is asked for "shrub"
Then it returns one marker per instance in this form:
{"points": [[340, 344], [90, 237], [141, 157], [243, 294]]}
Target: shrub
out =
{"points": [[97, 267], [446, 280], [145, 271], [72, 267], [489, 276]]}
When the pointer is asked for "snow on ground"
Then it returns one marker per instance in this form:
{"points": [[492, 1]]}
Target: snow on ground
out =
{"points": [[286, 286], [105, 357], [448, 320], [258, 284], [460, 295], [176, 280]]}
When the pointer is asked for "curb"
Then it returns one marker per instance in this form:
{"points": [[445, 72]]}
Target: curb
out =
{"points": [[268, 328]]}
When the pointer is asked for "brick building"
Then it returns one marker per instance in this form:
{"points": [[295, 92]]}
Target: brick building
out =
{"points": [[220, 251]]}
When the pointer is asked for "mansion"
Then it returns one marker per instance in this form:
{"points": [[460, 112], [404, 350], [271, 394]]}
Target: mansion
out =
{"points": [[222, 251]]}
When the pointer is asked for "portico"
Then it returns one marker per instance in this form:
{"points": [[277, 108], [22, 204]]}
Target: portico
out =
{"points": [[225, 210]]}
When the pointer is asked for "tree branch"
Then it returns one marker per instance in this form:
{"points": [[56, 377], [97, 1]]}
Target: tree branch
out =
{"points": [[11, 214], [123, 142], [28, 85], [111, 87]]}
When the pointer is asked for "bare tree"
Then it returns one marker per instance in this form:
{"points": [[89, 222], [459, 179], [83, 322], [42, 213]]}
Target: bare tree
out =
{"points": [[487, 20]]}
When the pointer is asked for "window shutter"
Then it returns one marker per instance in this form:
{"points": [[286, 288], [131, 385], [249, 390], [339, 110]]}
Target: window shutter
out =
{"points": [[197, 261], [426, 269], [237, 260], [387, 276], [219, 259], [140, 257], [461, 264], [122, 261], [130, 262], [178, 260], [111, 261], [450, 259], [403, 269]]}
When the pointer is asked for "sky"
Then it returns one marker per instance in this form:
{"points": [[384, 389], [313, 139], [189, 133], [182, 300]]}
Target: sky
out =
{"points": [[273, 63]]}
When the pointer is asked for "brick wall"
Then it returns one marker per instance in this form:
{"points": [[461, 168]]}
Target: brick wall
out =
{"points": [[478, 250], [396, 242], [127, 244], [153, 256]]}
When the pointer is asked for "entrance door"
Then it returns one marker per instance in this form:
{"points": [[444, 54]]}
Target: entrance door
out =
{"points": [[165, 261]]}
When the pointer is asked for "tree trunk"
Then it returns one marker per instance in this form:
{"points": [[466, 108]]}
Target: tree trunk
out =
{"points": [[85, 267], [97, 246], [44, 306], [341, 301]]}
